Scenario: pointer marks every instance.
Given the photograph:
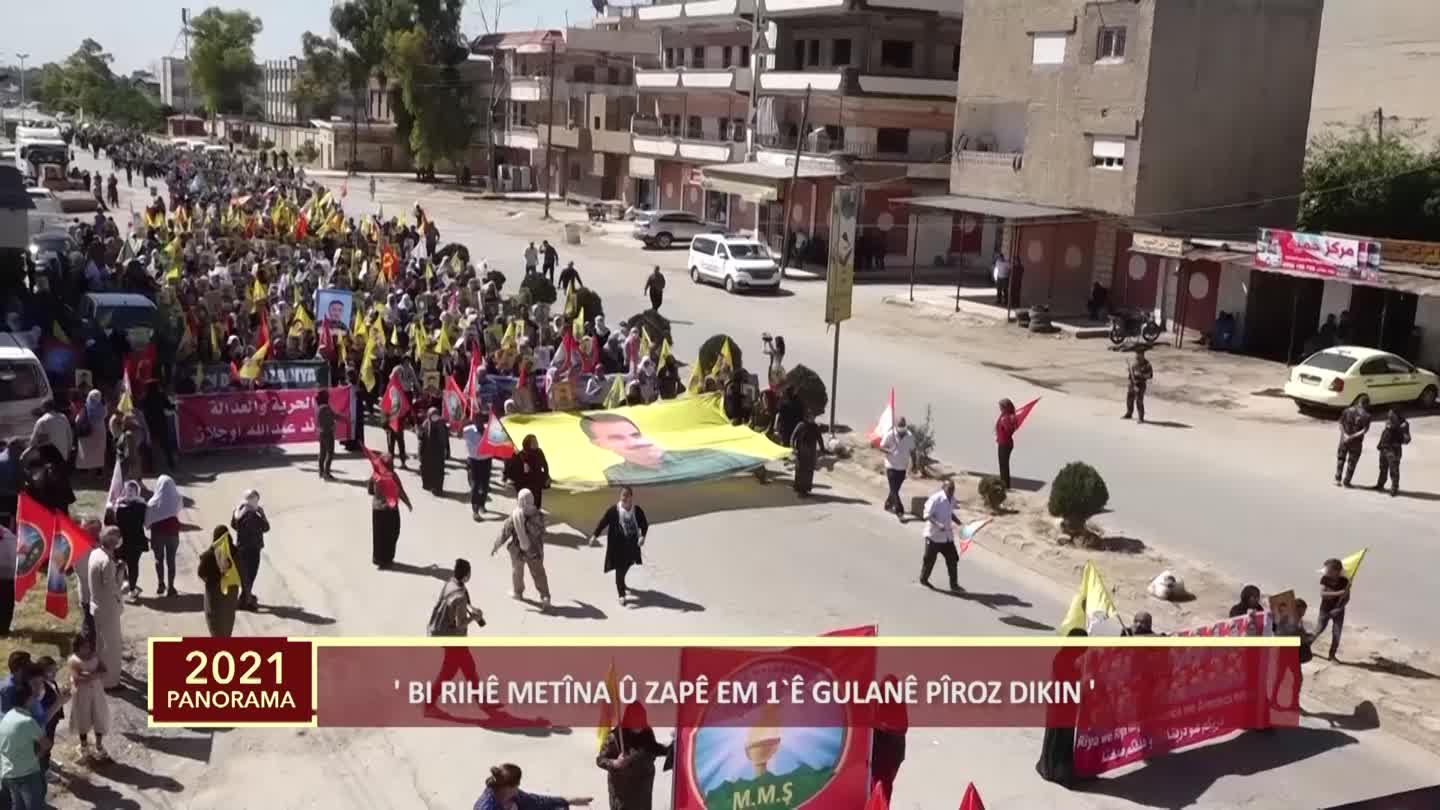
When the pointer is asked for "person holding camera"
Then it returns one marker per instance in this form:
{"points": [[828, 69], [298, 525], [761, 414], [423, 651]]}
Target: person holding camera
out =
{"points": [[453, 612]]}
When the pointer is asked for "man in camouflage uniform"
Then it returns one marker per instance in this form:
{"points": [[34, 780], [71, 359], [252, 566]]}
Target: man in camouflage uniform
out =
{"points": [[1392, 439], [1140, 373], [1354, 424]]}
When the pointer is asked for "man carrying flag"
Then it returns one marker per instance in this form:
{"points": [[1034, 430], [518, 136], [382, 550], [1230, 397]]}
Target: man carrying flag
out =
{"points": [[1336, 579], [394, 407]]}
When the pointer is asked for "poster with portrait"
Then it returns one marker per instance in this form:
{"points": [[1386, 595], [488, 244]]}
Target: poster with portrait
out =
{"points": [[336, 307]]}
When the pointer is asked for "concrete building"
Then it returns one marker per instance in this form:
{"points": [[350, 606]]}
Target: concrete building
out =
{"points": [[175, 88], [277, 91], [1078, 122], [587, 142]]}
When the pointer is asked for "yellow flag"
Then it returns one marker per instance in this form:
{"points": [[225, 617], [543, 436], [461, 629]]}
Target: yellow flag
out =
{"points": [[395, 335], [616, 397], [570, 305], [251, 369], [1092, 603], [664, 352], [1351, 565], [359, 329], [367, 366], [443, 344], [342, 349], [610, 713], [417, 336], [578, 327], [225, 557], [508, 340], [728, 359], [302, 323], [257, 294], [644, 343], [697, 379]]}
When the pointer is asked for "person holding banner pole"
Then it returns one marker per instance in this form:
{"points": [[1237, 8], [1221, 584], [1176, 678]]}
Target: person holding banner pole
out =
{"points": [[1057, 750], [477, 464]]}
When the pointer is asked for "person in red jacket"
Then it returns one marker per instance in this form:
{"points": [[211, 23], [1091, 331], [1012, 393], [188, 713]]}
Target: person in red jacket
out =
{"points": [[1005, 427]]}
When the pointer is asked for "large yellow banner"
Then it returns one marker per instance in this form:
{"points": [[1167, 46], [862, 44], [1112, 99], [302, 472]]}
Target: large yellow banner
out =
{"points": [[685, 439]]}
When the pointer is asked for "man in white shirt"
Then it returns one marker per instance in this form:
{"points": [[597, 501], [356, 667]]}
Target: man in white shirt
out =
{"points": [[477, 463], [1001, 277], [940, 520], [899, 445]]}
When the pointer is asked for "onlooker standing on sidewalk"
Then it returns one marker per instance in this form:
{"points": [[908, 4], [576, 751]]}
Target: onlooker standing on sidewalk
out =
{"points": [[898, 445], [22, 743], [1005, 427], [532, 259], [1140, 373], [1001, 276], [655, 288], [1354, 424], [1334, 597], [325, 426], [1393, 439], [940, 536], [477, 464], [549, 258]]}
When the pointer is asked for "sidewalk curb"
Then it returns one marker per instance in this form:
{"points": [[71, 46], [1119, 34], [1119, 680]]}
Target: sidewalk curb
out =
{"points": [[993, 313]]}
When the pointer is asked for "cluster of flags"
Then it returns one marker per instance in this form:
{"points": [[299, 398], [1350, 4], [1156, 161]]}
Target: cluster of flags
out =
{"points": [[50, 538], [724, 364], [878, 800]]}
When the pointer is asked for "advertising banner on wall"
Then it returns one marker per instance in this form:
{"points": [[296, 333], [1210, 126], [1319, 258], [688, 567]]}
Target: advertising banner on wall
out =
{"points": [[840, 272], [1317, 254]]}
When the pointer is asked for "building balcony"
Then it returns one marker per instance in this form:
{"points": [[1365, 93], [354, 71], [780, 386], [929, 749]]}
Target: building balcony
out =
{"points": [[693, 79], [846, 80], [535, 88], [612, 141], [780, 8], [695, 10], [518, 137], [711, 151], [978, 160], [648, 137], [563, 137], [820, 144]]}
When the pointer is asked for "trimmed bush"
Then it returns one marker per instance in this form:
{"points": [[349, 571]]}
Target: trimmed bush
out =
{"points": [[992, 492], [809, 387], [1077, 494], [541, 290], [589, 302], [655, 324], [710, 350]]}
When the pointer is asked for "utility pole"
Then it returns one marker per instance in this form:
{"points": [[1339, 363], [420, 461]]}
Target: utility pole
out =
{"points": [[758, 46], [794, 177], [550, 127], [23, 57], [1380, 123], [185, 34]]}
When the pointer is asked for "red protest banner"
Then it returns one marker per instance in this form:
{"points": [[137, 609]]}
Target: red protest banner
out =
{"points": [[255, 418]]}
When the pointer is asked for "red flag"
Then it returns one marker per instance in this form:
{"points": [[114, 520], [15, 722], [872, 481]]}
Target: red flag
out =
{"points": [[496, 441], [302, 226], [453, 404], [34, 526], [864, 631], [395, 403], [472, 383], [140, 365], [387, 483], [1024, 411], [877, 799], [68, 545], [389, 262], [264, 339], [972, 796], [885, 423]]}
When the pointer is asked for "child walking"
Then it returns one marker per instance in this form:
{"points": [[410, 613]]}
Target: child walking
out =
{"points": [[89, 711]]}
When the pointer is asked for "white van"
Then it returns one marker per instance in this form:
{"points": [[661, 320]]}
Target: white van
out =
{"points": [[735, 262], [24, 389]]}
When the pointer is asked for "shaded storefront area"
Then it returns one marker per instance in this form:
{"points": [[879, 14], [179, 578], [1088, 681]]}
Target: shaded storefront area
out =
{"points": [[1289, 311]]}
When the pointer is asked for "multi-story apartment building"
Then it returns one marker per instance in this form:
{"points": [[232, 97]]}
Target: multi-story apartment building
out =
{"points": [[277, 91], [564, 99], [175, 89], [729, 103], [1079, 121]]}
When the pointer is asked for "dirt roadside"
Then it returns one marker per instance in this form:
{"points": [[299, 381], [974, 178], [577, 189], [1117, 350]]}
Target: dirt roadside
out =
{"points": [[1384, 682]]}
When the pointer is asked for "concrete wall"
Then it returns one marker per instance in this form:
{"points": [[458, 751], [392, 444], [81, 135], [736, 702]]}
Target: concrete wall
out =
{"points": [[1427, 318], [1228, 110]]}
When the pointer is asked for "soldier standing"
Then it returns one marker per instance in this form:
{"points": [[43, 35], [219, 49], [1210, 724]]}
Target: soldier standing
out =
{"points": [[1393, 438], [1140, 374], [1354, 424]]}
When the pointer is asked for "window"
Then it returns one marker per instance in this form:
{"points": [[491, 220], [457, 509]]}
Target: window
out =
{"points": [[955, 60], [1108, 154], [697, 56], [1330, 361], [585, 73], [702, 245], [1048, 49], [574, 170], [748, 250], [670, 124], [840, 52], [812, 52], [725, 56], [1373, 367], [832, 137], [737, 129], [897, 54], [1397, 366], [596, 125], [799, 53], [694, 129], [724, 129], [892, 141], [1110, 46], [744, 55]]}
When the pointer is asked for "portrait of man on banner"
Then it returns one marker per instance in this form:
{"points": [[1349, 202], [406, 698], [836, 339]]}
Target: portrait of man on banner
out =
{"points": [[336, 307], [645, 462]]}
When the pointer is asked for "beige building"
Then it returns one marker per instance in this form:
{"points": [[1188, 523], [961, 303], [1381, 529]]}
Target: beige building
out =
{"points": [[277, 91]]}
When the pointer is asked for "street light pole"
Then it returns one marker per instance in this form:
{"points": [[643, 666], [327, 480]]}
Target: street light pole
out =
{"points": [[23, 57], [758, 47], [550, 129]]}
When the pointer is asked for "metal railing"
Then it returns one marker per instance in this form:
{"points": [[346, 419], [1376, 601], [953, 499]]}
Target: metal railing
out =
{"points": [[824, 144]]}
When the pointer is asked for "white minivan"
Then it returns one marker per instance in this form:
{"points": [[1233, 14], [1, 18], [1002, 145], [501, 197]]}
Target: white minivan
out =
{"points": [[735, 262], [24, 388]]}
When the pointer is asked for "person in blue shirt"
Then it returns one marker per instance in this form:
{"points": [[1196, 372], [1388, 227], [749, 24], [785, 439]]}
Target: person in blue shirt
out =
{"points": [[502, 792]]}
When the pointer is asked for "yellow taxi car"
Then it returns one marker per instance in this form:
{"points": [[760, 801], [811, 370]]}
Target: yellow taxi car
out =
{"points": [[1336, 377]]}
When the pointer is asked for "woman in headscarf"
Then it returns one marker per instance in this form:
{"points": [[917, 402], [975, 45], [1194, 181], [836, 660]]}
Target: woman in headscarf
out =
{"points": [[646, 378], [434, 445], [130, 518], [105, 604], [628, 759], [523, 537], [632, 350], [1057, 749], [222, 583], [806, 441], [528, 469], [625, 527], [162, 518], [90, 434], [387, 493], [250, 525]]}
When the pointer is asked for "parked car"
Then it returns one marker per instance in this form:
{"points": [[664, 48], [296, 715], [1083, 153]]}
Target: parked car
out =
{"points": [[131, 313], [46, 214], [1336, 377], [735, 262], [24, 387], [663, 228], [46, 244]]}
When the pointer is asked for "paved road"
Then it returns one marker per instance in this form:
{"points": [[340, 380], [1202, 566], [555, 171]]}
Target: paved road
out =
{"points": [[726, 557]]}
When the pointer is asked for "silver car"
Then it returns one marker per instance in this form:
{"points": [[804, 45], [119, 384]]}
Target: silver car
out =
{"points": [[664, 228]]}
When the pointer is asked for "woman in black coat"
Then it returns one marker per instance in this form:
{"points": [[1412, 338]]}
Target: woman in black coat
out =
{"points": [[625, 527]]}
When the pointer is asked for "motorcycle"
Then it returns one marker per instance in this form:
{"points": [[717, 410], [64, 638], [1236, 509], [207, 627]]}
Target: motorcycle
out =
{"points": [[1130, 322]]}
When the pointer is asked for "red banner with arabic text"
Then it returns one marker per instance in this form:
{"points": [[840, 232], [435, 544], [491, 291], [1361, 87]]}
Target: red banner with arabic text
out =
{"points": [[256, 418]]}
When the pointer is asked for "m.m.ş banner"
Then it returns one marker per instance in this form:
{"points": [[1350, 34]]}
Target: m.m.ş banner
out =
{"points": [[668, 442]]}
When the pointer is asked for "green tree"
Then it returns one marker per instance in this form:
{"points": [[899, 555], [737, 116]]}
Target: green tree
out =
{"points": [[323, 75], [1358, 183], [222, 58], [85, 83], [424, 65], [364, 25]]}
